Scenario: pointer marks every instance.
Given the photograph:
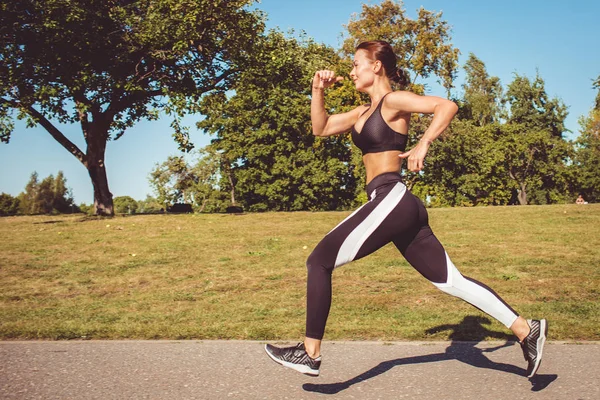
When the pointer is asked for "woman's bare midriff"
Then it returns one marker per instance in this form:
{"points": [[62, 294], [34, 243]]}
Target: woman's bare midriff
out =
{"points": [[380, 163]]}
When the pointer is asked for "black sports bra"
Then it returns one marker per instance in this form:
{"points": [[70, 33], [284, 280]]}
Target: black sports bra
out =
{"points": [[377, 136]]}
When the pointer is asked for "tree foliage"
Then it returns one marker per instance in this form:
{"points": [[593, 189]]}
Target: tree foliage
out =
{"points": [[48, 196], [465, 167], [9, 205], [485, 160], [586, 163], [178, 181], [596, 85], [263, 131], [529, 105], [488, 156], [535, 160], [125, 205], [482, 93], [149, 205], [422, 44]]}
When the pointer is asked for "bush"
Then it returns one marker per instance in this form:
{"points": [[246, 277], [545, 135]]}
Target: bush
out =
{"points": [[149, 206], [125, 205], [8, 205], [84, 208]]}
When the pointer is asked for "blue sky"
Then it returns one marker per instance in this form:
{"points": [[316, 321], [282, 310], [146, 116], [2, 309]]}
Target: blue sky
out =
{"points": [[557, 38]]}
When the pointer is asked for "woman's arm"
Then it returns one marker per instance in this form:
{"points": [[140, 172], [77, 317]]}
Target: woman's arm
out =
{"points": [[443, 111], [322, 123]]}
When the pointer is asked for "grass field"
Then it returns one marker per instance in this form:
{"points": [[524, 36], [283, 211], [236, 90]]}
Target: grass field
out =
{"points": [[243, 276]]}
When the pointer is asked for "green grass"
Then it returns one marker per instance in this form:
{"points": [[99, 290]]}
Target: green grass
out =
{"points": [[243, 276]]}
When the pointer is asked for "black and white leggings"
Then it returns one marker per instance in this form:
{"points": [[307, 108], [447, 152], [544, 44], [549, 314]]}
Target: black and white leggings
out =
{"points": [[392, 214]]}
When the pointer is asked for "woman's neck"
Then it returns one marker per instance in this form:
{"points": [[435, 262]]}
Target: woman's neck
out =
{"points": [[379, 89]]}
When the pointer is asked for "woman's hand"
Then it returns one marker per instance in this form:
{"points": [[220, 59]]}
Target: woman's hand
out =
{"points": [[325, 78], [416, 155]]}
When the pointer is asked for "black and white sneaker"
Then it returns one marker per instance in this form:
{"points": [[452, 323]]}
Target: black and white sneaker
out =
{"points": [[296, 358], [533, 345]]}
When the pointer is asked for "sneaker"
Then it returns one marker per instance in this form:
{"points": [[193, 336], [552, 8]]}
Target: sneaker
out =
{"points": [[295, 357], [533, 345]]}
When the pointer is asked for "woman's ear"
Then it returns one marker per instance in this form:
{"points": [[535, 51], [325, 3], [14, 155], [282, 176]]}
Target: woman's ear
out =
{"points": [[377, 66]]}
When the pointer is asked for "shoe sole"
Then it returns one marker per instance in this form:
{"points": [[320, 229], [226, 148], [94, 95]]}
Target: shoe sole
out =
{"points": [[304, 369], [540, 346]]}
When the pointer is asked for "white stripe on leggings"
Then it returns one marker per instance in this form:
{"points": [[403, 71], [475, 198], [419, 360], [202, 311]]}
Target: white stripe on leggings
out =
{"points": [[347, 218], [361, 233], [457, 285]]}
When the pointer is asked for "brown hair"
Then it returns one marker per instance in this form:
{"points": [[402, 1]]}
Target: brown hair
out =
{"points": [[383, 51]]}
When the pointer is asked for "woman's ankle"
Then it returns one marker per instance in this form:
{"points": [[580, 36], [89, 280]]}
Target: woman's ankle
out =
{"points": [[520, 328], [312, 347]]}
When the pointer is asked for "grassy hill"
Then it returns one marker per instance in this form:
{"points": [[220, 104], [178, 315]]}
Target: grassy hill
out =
{"points": [[243, 276]]}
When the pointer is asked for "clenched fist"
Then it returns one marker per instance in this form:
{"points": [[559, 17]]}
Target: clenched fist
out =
{"points": [[325, 78]]}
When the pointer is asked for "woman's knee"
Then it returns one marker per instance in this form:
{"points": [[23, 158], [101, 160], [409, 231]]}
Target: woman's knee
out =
{"points": [[317, 263]]}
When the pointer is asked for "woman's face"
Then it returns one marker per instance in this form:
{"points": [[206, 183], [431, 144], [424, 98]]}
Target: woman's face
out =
{"points": [[362, 73]]}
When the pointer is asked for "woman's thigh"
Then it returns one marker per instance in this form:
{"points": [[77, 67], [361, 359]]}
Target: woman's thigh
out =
{"points": [[391, 214]]}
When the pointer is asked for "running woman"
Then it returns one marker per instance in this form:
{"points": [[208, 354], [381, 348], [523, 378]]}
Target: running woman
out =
{"points": [[392, 214]]}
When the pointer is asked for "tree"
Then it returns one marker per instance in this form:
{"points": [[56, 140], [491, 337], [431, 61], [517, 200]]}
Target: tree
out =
{"points": [[63, 197], [176, 180], [529, 105], [28, 198], [423, 44], [8, 205], [586, 160], [213, 179], [482, 94], [263, 132], [150, 205], [586, 163], [466, 167], [125, 205], [106, 64], [596, 85], [536, 153], [169, 180], [535, 160], [481, 159], [51, 195]]}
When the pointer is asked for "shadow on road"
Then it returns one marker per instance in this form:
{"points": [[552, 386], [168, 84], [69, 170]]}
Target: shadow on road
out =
{"points": [[470, 328]]}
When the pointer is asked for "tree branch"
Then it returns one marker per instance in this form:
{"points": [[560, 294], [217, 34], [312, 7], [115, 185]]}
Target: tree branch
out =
{"points": [[82, 105], [213, 84], [56, 134], [10, 103], [122, 104]]}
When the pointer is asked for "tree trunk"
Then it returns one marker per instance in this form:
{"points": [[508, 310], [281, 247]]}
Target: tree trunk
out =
{"points": [[203, 205], [232, 188], [522, 196], [103, 199], [96, 135]]}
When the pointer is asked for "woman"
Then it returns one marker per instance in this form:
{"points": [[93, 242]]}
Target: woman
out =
{"points": [[392, 214]]}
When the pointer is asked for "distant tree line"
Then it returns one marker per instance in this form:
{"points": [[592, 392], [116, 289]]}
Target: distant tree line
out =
{"points": [[48, 196], [51, 195]]}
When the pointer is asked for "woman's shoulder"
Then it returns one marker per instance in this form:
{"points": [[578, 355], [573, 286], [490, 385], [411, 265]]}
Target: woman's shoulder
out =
{"points": [[397, 100], [399, 94]]}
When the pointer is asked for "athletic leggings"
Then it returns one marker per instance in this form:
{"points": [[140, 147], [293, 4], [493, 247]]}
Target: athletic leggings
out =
{"points": [[392, 214]]}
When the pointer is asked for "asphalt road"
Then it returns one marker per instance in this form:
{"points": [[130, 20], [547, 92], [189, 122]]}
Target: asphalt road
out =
{"points": [[241, 370]]}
